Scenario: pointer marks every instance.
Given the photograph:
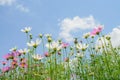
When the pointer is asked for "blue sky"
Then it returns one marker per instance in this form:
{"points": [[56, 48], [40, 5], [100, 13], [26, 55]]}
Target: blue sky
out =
{"points": [[45, 16]]}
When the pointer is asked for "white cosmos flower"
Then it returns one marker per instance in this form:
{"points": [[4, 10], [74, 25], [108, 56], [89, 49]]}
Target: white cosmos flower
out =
{"points": [[37, 57], [54, 45], [23, 51], [13, 49], [26, 29], [79, 55], [82, 47], [48, 35], [86, 35], [34, 43]]}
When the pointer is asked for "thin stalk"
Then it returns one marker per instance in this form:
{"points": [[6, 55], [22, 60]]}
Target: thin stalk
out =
{"points": [[50, 66], [43, 45], [55, 66]]}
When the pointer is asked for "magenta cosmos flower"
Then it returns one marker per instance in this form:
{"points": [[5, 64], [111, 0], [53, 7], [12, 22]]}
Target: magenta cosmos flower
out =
{"points": [[5, 69], [8, 56], [15, 53], [12, 55], [96, 30], [4, 62]]}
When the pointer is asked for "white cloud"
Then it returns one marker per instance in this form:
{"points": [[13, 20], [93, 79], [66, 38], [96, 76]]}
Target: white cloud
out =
{"points": [[71, 25], [22, 8], [115, 37], [14, 4], [7, 2]]}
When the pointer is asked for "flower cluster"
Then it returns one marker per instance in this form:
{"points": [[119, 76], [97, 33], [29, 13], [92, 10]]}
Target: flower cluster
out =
{"points": [[91, 57], [13, 60]]}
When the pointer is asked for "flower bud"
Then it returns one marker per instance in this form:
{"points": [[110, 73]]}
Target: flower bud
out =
{"points": [[40, 35]]}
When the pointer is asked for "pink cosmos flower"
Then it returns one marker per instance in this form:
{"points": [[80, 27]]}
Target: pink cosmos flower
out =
{"points": [[46, 54], [15, 53], [4, 62], [14, 64], [8, 56], [66, 59], [96, 30], [12, 55], [15, 59], [5, 69], [23, 65], [23, 60], [64, 45]]}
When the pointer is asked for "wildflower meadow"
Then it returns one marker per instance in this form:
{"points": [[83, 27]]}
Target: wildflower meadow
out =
{"points": [[91, 57]]}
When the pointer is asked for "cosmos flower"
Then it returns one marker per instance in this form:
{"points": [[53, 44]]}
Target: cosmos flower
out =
{"points": [[86, 35], [79, 55], [54, 46], [15, 53], [23, 65], [30, 36], [34, 43], [15, 59], [40, 35], [48, 35], [5, 69], [8, 56], [13, 49], [22, 60], [26, 29], [82, 47], [66, 59], [64, 45], [23, 51], [14, 63], [37, 57], [96, 30], [4, 62], [46, 54]]}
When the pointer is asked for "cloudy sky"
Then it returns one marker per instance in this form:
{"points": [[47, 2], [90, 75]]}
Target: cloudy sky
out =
{"points": [[63, 18]]}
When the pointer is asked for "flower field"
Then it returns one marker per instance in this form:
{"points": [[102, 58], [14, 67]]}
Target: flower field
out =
{"points": [[91, 57]]}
